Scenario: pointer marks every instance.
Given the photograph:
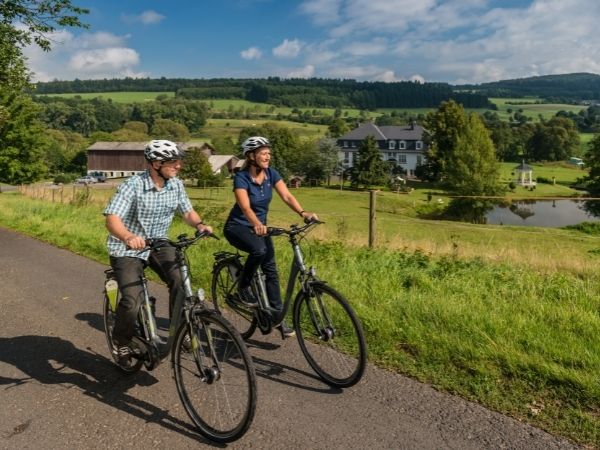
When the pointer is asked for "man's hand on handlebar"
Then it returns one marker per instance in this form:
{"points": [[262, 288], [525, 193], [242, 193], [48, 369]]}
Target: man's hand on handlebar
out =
{"points": [[202, 228], [135, 242]]}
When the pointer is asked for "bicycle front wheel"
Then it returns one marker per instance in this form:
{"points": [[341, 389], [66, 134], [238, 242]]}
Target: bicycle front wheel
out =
{"points": [[215, 377], [109, 324], [323, 316], [224, 294]]}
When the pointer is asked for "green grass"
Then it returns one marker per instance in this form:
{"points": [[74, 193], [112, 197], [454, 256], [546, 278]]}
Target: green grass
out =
{"points": [[533, 110], [232, 127], [519, 338]]}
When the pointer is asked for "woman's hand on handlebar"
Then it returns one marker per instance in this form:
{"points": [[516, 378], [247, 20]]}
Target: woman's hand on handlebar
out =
{"points": [[309, 217], [260, 230]]}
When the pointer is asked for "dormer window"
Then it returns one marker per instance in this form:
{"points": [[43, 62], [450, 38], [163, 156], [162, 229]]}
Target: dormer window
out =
{"points": [[392, 145], [419, 145], [402, 145]]}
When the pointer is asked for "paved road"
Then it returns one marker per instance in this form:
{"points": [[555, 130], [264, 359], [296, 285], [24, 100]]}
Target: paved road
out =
{"points": [[58, 389]]}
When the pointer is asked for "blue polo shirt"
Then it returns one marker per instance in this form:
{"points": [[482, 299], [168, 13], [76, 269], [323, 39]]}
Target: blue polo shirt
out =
{"points": [[260, 196]]}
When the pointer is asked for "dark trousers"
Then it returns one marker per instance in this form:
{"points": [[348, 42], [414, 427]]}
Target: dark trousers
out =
{"points": [[129, 273], [260, 253]]}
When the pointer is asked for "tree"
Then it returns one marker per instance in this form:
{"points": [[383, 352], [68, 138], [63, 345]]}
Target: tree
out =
{"points": [[338, 127], [554, 140], [196, 166], [369, 169], [444, 126], [22, 135], [592, 161], [39, 18], [168, 129], [472, 168]]}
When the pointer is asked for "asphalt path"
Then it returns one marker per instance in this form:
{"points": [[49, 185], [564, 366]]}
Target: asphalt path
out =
{"points": [[60, 390]]}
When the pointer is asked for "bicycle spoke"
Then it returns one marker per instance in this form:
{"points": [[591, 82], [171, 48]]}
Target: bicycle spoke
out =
{"points": [[336, 349], [215, 379]]}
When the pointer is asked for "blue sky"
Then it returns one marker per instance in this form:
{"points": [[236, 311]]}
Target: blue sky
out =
{"points": [[455, 41]]}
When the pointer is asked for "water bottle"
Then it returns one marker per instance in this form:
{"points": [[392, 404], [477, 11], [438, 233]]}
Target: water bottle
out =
{"points": [[111, 287]]}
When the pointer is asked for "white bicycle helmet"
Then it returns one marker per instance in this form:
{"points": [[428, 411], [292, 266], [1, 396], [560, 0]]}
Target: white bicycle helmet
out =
{"points": [[253, 143], [163, 150]]}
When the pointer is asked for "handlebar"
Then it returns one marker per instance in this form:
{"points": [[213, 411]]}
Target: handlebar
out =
{"points": [[183, 241], [293, 230]]}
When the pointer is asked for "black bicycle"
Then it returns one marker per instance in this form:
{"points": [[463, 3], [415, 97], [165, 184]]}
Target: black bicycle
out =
{"points": [[213, 371], [321, 315]]}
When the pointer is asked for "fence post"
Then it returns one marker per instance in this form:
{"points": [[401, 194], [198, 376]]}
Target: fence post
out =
{"points": [[372, 224]]}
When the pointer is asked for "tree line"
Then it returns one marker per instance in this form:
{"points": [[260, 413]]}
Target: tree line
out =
{"points": [[313, 92]]}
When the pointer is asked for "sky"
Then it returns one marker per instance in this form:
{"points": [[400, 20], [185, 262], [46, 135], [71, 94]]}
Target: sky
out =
{"points": [[453, 41]]}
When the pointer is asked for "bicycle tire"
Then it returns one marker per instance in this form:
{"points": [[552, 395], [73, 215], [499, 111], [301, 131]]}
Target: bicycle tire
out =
{"points": [[109, 324], [223, 285], [324, 316], [221, 399]]}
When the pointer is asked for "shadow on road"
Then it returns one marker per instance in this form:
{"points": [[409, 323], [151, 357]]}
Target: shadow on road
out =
{"points": [[52, 360], [270, 370]]}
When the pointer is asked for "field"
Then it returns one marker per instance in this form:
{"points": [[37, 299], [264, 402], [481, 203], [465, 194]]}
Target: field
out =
{"points": [[532, 109], [504, 316], [232, 127]]}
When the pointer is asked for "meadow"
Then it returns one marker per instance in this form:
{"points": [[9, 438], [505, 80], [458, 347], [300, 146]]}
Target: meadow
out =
{"points": [[504, 316]]}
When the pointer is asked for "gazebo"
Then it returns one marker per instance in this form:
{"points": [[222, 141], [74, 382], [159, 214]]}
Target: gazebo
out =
{"points": [[524, 174]]}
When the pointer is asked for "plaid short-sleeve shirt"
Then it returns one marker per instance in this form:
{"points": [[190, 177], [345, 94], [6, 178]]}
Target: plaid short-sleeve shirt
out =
{"points": [[145, 210]]}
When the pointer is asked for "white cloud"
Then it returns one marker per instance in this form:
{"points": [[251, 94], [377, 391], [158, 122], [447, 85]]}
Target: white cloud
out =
{"points": [[388, 76], [455, 41], [304, 72], [149, 17], [104, 60], [251, 53], [288, 49], [88, 56]]}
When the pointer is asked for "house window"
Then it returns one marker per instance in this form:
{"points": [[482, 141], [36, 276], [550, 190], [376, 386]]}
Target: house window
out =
{"points": [[392, 145], [419, 160], [419, 145], [346, 157], [402, 159], [402, 145], [353, 144], [345, 144]]}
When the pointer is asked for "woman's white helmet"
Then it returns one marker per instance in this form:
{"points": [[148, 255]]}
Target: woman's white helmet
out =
{"points": [[253, 143], [162, 150]]}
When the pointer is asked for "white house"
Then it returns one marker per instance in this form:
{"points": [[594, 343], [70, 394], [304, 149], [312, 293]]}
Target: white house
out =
{"points": [[402, 145]]}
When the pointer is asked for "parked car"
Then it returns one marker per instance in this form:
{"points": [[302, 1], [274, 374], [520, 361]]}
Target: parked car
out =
{"points": [[99, 176], [88, 179]]}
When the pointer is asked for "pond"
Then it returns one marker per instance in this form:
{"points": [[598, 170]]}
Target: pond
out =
{"points": [[544, 213]]}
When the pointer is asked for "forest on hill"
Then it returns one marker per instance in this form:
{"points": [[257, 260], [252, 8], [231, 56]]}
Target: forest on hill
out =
{"points": [[314, 92], [566, 88]]}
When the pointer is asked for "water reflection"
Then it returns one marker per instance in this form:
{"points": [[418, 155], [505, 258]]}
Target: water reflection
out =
{"points": [[537, 213]]}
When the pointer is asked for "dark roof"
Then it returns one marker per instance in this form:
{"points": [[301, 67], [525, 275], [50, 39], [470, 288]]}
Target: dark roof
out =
{"points": [[403, 132], [524, 167]]}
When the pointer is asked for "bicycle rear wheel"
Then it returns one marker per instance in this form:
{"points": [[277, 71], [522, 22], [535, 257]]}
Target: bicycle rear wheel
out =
{"points": [[109, 324], [224, 294], [324, 316], [215, 377]]}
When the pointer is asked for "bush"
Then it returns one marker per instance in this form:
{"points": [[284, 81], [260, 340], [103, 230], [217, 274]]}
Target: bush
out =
{"points": [[65, 178]]}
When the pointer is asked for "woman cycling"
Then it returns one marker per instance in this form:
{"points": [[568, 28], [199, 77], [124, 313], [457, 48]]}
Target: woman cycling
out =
{"points": [[246, 226]]}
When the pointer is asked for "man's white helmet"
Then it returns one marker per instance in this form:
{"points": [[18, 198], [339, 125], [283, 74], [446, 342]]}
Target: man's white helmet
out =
{"points": [[163, 150], [253, 143]]}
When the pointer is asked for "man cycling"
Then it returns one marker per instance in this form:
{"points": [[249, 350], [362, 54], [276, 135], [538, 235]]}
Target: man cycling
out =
{"points": [[143, 207]]}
